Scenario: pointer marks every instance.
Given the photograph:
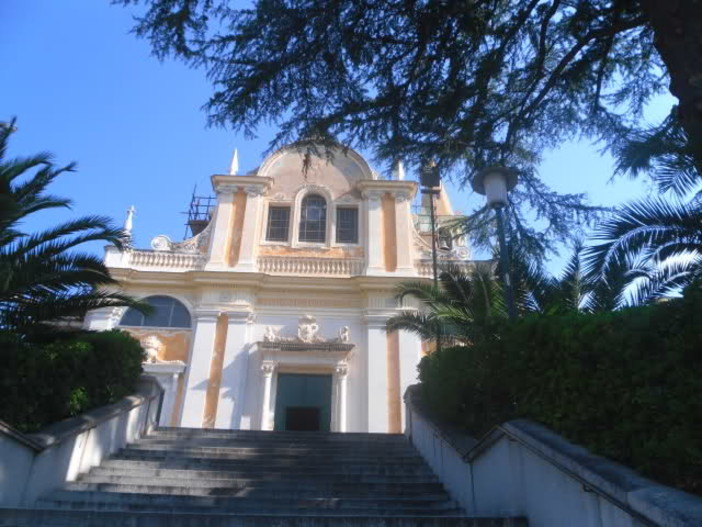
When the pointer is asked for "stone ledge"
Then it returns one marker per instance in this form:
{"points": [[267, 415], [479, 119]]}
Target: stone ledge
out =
{"points": [[305, 346], [654, 501], [147, 390], [645, 499]]}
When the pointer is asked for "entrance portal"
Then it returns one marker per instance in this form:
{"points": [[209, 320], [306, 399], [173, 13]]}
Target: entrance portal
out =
{"points": [[303, 402]]}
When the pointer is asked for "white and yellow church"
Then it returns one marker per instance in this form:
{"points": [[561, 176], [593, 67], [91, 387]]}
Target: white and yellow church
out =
{"points": [[272, 316]]}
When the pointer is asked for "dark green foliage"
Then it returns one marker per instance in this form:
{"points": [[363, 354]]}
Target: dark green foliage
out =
{"points": [[42, 384], [625, 384]]}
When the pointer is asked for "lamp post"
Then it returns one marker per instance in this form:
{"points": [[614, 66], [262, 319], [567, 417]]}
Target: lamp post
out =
{"points": [[494, 183], [430, 180]]}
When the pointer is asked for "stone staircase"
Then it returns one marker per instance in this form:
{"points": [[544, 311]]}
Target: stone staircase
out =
{"points": [[180, 477]]}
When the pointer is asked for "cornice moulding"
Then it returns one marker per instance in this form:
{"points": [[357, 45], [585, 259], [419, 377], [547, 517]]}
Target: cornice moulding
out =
{"points": [[399, 188], [233, 183]]}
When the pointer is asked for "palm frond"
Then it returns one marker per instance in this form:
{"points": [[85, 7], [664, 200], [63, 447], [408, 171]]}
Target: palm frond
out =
{"points": [[654, 222]]}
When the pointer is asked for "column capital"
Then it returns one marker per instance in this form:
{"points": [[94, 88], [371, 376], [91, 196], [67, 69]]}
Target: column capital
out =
{"points": [[228, 184], [377, 319], [402, 196], [226, 190], [342, 370], [253, 191], [240, 317], [372, 195], [205, 314], [268, 367]]}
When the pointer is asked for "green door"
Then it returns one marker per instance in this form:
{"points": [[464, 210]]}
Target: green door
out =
{"points": [[303, 402]]}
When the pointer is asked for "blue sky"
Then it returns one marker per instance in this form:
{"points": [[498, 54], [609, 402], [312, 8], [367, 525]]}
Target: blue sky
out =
{"points": [[86, 90]]}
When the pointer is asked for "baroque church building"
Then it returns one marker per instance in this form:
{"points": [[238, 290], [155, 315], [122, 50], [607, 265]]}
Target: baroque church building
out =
{"points": [[272, 316]]}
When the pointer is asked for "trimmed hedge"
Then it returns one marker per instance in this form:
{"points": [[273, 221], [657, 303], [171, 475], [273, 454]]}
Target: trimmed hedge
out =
{"points": [[44, 383], [626, 384]]}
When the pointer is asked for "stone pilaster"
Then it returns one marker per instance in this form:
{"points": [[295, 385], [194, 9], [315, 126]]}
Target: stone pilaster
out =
{"points": [[234, 371], [198, 368]]}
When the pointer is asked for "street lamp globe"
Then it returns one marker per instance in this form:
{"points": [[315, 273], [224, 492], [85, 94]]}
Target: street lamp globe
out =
{"points": [[494, 183]]}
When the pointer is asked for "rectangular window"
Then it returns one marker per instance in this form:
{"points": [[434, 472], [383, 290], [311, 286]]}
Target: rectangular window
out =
{"points": [[278, 224], [347, 225]]}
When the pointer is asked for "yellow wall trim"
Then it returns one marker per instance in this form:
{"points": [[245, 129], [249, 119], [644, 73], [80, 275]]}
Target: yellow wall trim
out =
{"points": [[215, 380], [389, 233], [394, 397], [234, 243]]}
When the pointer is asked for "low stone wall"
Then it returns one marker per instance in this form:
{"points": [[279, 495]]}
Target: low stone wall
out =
{"points": [[524, 469], [33, 464]]}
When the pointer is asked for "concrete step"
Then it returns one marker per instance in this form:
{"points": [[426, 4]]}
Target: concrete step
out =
{"points": [[313, 458], [305, 438], [101, 500], [284, 449], [153, 469], [181, 488], [237, 449], [156, 459], [256, 486], [104, 518]]}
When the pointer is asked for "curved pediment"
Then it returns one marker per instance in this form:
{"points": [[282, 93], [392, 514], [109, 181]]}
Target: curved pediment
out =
{"points": [[338, 174]]}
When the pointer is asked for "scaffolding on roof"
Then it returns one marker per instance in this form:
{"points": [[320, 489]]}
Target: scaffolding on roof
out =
{"points": [[199, 213]]}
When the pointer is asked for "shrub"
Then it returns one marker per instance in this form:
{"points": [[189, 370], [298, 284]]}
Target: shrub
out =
{"points": [[43, 383], [625, 384]]}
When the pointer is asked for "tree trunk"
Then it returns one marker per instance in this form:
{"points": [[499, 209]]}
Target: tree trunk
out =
{"points": [[677, 26]]}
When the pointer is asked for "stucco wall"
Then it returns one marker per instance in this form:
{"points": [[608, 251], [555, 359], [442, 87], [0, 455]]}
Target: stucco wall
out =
{"points": [[38, 463]]}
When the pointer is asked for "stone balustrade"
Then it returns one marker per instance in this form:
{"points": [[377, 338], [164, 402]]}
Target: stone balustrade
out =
{"points": [[310, 266], [425, 268], [167, 261]]}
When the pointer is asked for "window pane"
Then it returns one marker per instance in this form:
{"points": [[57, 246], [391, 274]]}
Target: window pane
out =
{"points": [[180, 317], [161, 314], [347, 225], [167, 313], [313, 219], [132, 318], [278, 223]]}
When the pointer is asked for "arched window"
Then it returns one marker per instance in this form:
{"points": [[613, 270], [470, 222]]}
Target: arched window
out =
{"points": [[313, 219], [167, 313]]}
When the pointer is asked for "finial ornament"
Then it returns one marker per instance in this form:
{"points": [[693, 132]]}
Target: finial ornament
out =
{"points": [[234, 165], [398, 170], [129, 222]]}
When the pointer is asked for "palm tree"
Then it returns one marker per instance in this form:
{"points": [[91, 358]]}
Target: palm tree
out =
{"points": [[468, 306], [657, 241], [42, 279], [463, 308], [654, 246]]}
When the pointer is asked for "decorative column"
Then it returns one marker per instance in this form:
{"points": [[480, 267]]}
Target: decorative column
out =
{"points": [[250, 228], [167, 374], [235, 365], [374, 240], [198, 372], [221, 228], [342, 371], [403, 226], [377, 373], [410, 355], [268, 369]]}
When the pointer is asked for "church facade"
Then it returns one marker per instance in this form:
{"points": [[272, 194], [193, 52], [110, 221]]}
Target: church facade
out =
{"points": [[272, 316]]}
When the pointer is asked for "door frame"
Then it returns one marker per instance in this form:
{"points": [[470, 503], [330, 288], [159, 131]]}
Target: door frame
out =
{"points": [[334, 364]]}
